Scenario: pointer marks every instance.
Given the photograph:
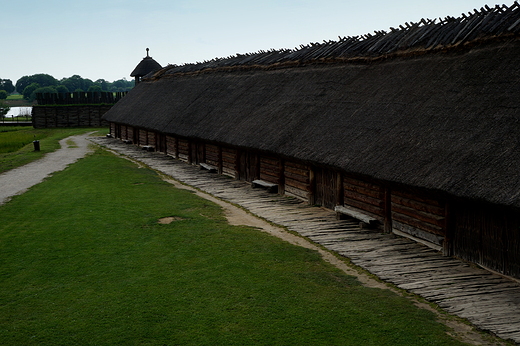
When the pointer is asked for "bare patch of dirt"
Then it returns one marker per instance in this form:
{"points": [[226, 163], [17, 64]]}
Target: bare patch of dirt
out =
{"points": [[240, 217], [168, 220]]}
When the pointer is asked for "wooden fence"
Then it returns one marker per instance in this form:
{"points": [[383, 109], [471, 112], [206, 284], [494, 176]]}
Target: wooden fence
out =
{"points": [[77, 109], [69, 116], [76, 98]]}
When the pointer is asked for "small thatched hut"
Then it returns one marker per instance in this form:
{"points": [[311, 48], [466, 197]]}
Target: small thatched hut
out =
{"points": [[146, 66], [416, 129]]}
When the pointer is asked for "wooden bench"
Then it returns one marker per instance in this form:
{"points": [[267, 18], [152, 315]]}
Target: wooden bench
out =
{"points": [[358, 215], [209, 168], [264, 184], [148, 147]]}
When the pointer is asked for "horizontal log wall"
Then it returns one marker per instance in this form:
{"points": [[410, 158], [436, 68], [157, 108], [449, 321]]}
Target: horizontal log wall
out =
{"points": [[229, 161], [366, 196], [297, 179], [419, 216], [143, 137], [183, 147], [171, 146], [212, 155], [69, 116], [270, 169], [130, 133], [124, 132], [150, 140]]}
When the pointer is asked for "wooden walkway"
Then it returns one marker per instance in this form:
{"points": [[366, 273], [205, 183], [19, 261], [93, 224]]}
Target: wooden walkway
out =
{"points": [[489, 301]]}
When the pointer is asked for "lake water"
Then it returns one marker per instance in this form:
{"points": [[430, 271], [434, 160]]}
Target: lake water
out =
{"points": [[15, 111]]}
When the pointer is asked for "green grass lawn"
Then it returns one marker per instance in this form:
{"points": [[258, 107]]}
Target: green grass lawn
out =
{"points": [[84, 261], [16, 143], [15, 97], [17, 101]]}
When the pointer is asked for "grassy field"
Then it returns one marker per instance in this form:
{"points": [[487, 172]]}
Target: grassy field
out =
{"points": [[16, 143], [17, 101], [15, 97], [84, 261]]}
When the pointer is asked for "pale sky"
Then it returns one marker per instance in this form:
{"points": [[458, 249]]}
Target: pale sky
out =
{"points": [[108, 38]]}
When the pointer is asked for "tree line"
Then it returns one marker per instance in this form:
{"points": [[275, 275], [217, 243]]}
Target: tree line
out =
{"points": [[28, 86]]}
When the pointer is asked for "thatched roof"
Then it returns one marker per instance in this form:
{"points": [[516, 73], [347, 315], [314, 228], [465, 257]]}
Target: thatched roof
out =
{"points": [[448, 120], [146, 66]]}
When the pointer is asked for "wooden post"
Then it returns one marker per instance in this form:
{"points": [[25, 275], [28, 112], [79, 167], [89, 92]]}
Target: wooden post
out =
{"points": [[312, 186], [447, 244], [340, 194], [177, 148], [281, 177], [257, 166], [190, 155], [388, 210], [220, 164], [236, 164]]}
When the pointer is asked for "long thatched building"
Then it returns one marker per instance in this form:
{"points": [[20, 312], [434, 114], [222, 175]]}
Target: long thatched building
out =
{"points": [[416, 130]]}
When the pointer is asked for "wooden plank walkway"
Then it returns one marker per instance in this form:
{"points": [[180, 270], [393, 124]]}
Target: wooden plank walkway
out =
{"points": [[489, 301]]}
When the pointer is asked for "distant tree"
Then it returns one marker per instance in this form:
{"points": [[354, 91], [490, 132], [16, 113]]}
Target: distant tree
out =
{"points": [[7, 85], [95, 88], [62, 89], [3, 109], [121, 85], [27, 92], [47, 89], [76, 82], [3, 94], [103, 83], [78, 90], [42, 79]]}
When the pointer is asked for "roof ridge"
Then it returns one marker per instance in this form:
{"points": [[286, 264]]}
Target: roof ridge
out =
{"points": [[425, 35]]}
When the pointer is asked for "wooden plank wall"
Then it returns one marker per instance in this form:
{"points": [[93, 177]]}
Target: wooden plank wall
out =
{"points": [[171, 146], [488, 235], [98, 97], [297, 179], [113, 129], [124, 132], [69, 116], [270, 169], [212, 155], [366, 196], [419, 215], [183, 147], [198, 152], [143, 137], [161, 143], [325, 187], [150, 138], [229, 161], [130, 133]]}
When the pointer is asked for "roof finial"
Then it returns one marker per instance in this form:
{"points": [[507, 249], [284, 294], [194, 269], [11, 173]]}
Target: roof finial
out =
{"points": [[147, 49]]}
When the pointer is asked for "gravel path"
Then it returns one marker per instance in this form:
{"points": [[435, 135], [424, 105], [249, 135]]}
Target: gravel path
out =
{"points": [[18, 180]]}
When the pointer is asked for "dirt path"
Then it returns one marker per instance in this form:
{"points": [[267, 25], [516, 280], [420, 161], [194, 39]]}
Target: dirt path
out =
{"points": [[18, 180]]}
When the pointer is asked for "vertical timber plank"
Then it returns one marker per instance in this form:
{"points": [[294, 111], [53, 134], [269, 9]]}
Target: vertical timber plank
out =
{"points": [[387, 210]]}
